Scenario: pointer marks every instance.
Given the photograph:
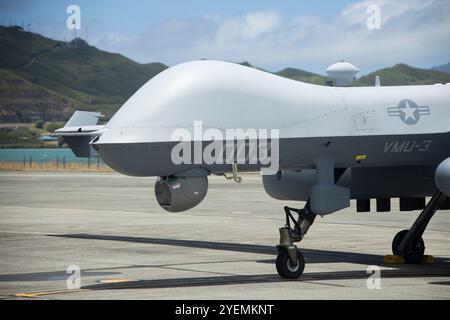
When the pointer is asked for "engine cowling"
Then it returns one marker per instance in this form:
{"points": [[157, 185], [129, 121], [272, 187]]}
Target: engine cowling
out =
{"points": [[176, 194]]}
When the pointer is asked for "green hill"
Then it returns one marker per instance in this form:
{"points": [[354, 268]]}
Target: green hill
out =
{"points": [[402, 74], [23, 101], [295, 74], [443, 68], [64, 77], [301, 75]]}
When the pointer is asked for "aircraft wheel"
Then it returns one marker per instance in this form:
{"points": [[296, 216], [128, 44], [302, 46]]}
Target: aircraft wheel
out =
{"points": [[414, 252], [288, 270]]}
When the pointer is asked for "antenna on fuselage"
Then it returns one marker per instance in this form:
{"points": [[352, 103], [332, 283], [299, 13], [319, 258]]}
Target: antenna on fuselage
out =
{"points": [[343, 73], [377, 81]]}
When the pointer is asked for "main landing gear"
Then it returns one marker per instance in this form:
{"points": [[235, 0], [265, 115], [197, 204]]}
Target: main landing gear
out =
{"points": [[409, 243], [290, 262]]}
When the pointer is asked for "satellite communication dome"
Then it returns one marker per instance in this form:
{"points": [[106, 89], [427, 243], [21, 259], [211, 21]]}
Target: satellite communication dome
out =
{"points": [[343, 73]]}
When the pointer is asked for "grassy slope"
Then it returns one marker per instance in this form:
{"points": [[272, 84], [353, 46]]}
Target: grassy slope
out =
{"points": [[17, 47], [88, 78], [295, 74], [402, 74], [301, 75], [443, 68], [21, 100]]}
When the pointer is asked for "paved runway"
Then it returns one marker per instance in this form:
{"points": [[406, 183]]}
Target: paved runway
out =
{"points": [[128, 248]]}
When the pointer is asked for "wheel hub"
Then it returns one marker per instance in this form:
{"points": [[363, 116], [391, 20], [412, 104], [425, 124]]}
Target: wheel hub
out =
{"points": [[291, 266]]}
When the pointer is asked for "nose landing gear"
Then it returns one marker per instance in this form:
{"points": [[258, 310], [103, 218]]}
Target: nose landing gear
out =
{"points": [[290, 262], [286, 268]]}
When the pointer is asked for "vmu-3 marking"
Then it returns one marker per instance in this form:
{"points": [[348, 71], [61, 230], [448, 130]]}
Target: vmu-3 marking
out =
{"points": [[407, 146]]}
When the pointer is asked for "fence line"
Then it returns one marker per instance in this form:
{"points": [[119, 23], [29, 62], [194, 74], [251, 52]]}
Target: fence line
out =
{"points": [[57, 164]]}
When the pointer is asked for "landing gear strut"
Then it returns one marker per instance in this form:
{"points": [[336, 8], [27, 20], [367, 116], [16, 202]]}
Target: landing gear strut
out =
{"points": [[290, 262], [409, 243]]}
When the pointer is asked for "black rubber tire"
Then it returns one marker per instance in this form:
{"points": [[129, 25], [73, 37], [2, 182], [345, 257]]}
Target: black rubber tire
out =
{"points": [[285, 268], [414, 254]]}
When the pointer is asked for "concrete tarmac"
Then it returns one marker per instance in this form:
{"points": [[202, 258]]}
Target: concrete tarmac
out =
{"points": [[127, 247]]}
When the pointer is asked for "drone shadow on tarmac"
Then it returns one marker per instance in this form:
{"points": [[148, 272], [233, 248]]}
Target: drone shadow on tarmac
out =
{"points": [[440, 269]]}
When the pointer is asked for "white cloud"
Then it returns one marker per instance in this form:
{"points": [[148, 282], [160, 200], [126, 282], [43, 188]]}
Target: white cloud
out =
{"points": [[355, 13], [246, 28], [258, 23], [412, 31]]}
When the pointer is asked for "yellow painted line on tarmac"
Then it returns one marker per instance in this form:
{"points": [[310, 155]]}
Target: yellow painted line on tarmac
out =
{"points": [[115, 280], [43, 293], [393, 259], [426, 259], [50, 292]]}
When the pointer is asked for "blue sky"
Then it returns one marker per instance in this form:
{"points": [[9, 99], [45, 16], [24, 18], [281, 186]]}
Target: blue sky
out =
{"points": [[270, 34], [135, 14]]}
